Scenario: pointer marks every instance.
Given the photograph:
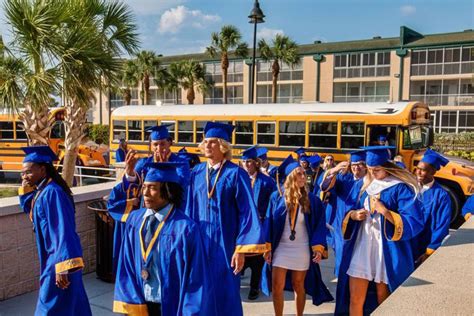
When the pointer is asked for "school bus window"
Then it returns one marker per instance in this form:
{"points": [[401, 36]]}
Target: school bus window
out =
{"points": [[323, 134], [134, 130], [57, 131], [185, 131], [352, 135], [200, 131], [266, 133], [6, 130], [292, 133], [146, 125], [243, 133], [118, 131], [171, 128], [20, 131]]}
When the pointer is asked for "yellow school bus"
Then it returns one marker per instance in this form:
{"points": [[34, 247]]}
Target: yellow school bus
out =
{"points": [[323, 128], [13, 137]]}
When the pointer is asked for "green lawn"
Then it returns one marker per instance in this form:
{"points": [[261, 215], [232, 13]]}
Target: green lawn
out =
{"points": [[7, 192]]}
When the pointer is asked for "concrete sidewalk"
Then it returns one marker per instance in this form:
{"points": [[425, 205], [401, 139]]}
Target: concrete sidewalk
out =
{"points": [[101, 296]]}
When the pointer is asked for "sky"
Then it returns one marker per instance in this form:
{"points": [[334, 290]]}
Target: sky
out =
{"points": [[175, 27]]}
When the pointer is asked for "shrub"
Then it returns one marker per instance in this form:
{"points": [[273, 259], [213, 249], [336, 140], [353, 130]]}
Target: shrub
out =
{"points": [[98, 133]]}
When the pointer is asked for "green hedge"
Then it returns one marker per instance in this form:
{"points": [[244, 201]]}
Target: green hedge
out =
{"points": [[459, 145], [98, 133]]}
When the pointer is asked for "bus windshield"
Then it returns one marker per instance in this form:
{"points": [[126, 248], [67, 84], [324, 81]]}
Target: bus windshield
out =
{"points": [[417, 137]]}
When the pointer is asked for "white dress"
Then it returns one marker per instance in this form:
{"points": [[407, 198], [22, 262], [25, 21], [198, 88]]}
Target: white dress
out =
{"points": [[367, 260], [293, 254]]}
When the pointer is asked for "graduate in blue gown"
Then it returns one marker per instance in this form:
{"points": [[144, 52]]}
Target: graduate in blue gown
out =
{"points": [[121, 151], [340, 181], [317, 173], [162, 268], [265, 166], [377, 230], [436, 204], [48, 201], [468, 208], [220, 200], [297, 246], [263, 187], [192, 159]]}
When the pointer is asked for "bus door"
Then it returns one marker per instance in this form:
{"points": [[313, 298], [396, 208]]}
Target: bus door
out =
{"points": [[389, 132]]}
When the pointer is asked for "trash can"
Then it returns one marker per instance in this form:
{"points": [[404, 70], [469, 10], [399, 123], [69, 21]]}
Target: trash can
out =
{"points": [[104, 239]]}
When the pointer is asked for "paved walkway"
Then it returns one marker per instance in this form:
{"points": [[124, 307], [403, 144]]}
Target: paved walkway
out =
{"points": [[101, 296]]}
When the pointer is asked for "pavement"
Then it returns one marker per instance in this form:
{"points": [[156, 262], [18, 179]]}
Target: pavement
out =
{"points": [[101, 297]]}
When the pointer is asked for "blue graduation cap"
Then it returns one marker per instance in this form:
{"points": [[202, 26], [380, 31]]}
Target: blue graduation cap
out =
{"points": [[382, 138], [159, 132], [177, 172], [282, 168], [300, 151], [250, 153], [304, 157], [315, 161], [434, 158], [39, 154], [192, 159], [377, 155], [400, 164], [262, 153], [358, 156], [218, 130]]}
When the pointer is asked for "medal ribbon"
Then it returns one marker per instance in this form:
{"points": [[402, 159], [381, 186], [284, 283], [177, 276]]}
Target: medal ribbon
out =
{"points": [[146, 254], [253, 181], [292, 219], [211, 193]]}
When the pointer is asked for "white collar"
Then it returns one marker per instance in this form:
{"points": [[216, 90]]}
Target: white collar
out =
{"points": [[426, 187], [377, 186], [161, 214], [216, 166]]}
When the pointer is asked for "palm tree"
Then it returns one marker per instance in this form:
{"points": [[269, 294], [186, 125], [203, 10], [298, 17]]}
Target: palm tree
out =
{"points": [[174, 78], [148, 65], [284, 50], [221, 43], [192, 74], [130, 79]]}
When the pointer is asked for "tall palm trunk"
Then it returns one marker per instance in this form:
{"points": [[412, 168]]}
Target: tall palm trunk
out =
{"points": [[190, 95], [37, 125], [75, 126], [176, 93], [146, 88], [127, 96], [275, 73], [224, 66]]}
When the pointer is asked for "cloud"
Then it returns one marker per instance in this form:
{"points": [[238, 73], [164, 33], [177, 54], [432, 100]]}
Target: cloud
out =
{"points": [[173, 20], [150, 7], [408, 10], [268, 34]]}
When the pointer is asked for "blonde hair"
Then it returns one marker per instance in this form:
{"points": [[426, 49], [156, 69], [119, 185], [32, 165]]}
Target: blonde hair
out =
{"points": [[224, 146], [402, 174], [296, 195]]}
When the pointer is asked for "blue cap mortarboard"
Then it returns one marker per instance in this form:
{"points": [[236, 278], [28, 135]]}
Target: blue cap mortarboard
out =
{"points": [[358, 156], [218, 130], [282, 167], [159, 132], [290, 167], [177, 172], [434, 158], [377, 155], [314, 161], [39, 154], [304, 157], [382, 138], [262, 153], [300, 151], [250, 153]]}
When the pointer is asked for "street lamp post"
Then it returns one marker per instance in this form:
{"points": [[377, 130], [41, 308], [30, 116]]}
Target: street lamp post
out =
{"points": [[256, 16]]}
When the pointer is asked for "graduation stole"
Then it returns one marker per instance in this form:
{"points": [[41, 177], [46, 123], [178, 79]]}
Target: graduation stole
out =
{"points": [[211, 193], [37, 194], [146, 252], [278, 184]]}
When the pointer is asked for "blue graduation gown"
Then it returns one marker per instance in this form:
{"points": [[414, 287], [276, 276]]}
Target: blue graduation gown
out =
{"points": [[119, 205], [437, 216], [468, 208], [315, 225], [119, 155], [229, 223], [407, 212], [59, 251], [336, 209], [141, 169], [183, 272], [263, 187]]}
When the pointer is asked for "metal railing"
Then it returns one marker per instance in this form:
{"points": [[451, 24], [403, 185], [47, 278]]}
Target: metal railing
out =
{"points": [[78, 172]]}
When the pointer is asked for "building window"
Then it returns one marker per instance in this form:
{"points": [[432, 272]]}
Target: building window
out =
{"points": [[286, 93], [119, 130], [213, 72], [165, 96], [443, 92], [185, 132], [352, 135], [214, 95], [466, 121], [235, 94], [355, 65], [134, 130], [447, 61], [323, 134], [370, 91], [266, 133], [292, 133], [264, 71], [235, 72], [244, 133]]}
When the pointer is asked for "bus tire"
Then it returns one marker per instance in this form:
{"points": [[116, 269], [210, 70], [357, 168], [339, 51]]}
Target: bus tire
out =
{"points": [[456, 206]]}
